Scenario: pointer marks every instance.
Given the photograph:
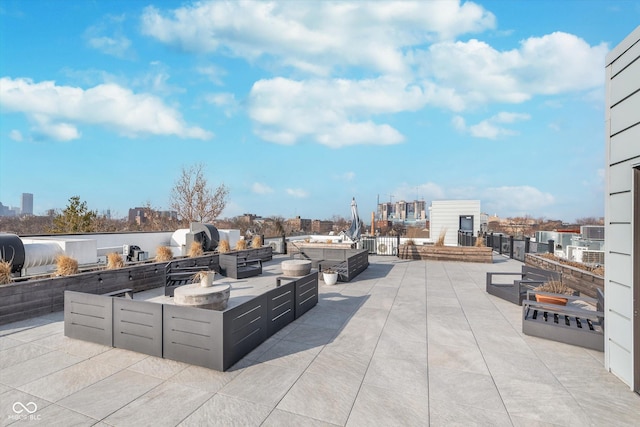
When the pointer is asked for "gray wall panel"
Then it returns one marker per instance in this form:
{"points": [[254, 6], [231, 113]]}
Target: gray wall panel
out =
{"points": [[88, 317], [137, 326]]}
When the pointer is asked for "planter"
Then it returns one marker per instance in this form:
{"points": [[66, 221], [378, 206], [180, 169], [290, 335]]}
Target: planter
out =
{"points": [[551, 300], [206, 278], [330, 278], [447, 253]]}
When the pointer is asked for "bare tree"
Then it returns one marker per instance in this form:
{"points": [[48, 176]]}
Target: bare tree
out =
{"points": [[194, 200]]}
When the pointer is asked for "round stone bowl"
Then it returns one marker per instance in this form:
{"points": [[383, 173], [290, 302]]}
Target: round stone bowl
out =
{"points": [[296, 267], [213, 297]]}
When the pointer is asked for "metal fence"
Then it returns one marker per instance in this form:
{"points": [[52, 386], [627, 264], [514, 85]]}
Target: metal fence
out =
{"points": [[507, 245]]}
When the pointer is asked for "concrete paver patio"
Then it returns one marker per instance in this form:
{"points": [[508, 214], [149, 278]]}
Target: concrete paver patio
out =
{"points": [[408, 343]]}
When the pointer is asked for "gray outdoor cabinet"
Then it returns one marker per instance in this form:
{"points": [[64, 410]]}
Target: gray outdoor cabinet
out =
{"points": [[88, 317]]}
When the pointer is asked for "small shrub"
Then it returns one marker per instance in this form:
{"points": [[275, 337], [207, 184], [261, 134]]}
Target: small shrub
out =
{"points": [[223, 246], [329, 241], [480, 242], [195, 249], [256, 242], [440, 241], [5, 272], [114, 260], [555, 287], [241, 244], [410, 242], [66, 266], [164, 253], [307, 240]]}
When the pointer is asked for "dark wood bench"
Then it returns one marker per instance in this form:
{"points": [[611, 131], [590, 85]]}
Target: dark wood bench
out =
{"points": [[239, 265], [127, 293], [515, 292], [571, 324]]}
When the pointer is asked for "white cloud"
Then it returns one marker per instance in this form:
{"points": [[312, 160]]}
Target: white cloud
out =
{"points": [[260, 188], [333, 112], [515, 200], [426, 191], [58, 110], [297, 192], [115, 43], [227, 101], [213, 73], [16, 135], [504, 200], [479, 74], [315, 36], [489, 128]]}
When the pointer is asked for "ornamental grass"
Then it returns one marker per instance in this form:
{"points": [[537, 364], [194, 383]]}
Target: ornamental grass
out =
{"points": [[114, 261], [66, 266], [164, 253]]}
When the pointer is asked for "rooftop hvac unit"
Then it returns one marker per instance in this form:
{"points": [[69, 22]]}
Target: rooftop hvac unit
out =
{"points": [[276, 246], [592, 232], [385, 249], [593, 257]]}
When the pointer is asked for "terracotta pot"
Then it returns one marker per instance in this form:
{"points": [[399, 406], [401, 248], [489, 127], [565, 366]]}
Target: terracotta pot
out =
{"points": [[551, 300]]}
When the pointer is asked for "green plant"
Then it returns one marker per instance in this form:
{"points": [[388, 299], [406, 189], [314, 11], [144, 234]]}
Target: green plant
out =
{"points": [[114, 260], [164, 253]]}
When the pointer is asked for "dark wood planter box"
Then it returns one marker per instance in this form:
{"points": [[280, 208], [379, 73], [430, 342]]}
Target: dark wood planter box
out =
{"points": [[446, 253], [580, 280], [209, 338], [24, 299]]}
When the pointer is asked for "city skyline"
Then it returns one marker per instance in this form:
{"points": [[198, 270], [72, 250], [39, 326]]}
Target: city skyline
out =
{"points": [[297, 108]]}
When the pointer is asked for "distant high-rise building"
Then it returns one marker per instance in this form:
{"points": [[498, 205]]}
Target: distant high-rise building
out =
{"points": [[402, 211], [27, 204]]}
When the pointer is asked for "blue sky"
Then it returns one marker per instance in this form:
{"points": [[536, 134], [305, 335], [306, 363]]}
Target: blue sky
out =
{"points": [[299, 106]]}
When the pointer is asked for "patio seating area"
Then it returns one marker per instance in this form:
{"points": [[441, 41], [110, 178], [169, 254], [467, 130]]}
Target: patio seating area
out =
{"points": [[406, 343]]}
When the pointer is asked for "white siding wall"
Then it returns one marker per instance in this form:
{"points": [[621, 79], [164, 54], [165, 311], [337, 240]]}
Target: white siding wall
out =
{"points": [[445, 215], [622, 123]]}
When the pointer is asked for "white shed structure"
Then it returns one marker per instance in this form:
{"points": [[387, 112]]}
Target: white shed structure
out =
{"points": [[449, 216], [622, 211]]}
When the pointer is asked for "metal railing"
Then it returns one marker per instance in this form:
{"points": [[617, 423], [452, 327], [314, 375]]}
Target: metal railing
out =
{"points": [[507, 245]]}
